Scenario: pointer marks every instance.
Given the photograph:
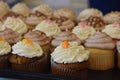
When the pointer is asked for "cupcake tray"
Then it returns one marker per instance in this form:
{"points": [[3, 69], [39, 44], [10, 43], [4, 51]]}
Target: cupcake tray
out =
{"points": [[113, 74]]}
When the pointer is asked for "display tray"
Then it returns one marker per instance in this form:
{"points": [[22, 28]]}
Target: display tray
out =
{"points": [[113, 74]]}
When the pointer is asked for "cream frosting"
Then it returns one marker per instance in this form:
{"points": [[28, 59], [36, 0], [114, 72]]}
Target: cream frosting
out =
{"points": [[10, 35], [118, 46], [27, 50], [50, 28], [85, 14], [113, 30], [83, 31], [21, 8], [4, 8], [64, 12], [38, 37], [44, 8], [16, 24], [112, 17], [74, 53], [100, 40], [65, 35], [5, 48]]}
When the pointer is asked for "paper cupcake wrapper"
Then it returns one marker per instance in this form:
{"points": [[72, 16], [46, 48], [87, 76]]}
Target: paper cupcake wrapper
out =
{"points": [[118, 60], [69, 70], [101, 59], [4, 62], [37, 66]]}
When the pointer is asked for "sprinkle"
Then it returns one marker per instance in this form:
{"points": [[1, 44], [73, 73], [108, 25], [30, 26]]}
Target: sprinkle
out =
{"points": [[65, 44]]}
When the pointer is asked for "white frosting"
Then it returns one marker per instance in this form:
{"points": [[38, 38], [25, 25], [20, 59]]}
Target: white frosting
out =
{"points": [[50, 28], [16, 24], [72, 54], [27, 50], [118, 46], [5, 48]]}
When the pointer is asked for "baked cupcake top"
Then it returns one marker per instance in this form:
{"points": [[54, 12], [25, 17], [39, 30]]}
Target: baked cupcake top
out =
{"points": [[38, 37], [5, 47], [100, 40], [21, 8], [27, 48], [9, 35], [85, 14], [113, 30], [112, 17], [118, 46], [64, 12], [16, 24], [83, 31], [4, 8], [65, 35], [50, 28], [69, 52]]}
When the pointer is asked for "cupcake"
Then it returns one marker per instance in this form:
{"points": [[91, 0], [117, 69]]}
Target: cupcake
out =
{"points": [[50, 28], [83, 31], [65, 18], [113, 30], [62, 36], [101, 48], [69, 59], [10, 36], [16, 24], [28, 56], [37, 15], [41, 39], [85, 14], [118, 53], [112, 17], [5, 50]]}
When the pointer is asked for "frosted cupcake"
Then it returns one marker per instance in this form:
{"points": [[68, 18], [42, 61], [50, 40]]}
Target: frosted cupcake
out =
{"points": [[112, 17], [118, 53], [101, 48], [63, 36], [28, 56], [85, 14], [69, 59], [65, 18], [83, 31], [50, 28], [16, 24], [38, 14], [5, 50]]}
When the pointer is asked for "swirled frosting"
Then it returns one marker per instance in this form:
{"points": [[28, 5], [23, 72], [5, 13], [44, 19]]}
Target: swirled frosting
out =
{"points": [[118, 46], [16, 24], [83, 31], [112, 17], [27, 50], [10, 35], [5, 48], [64, 12], [49, 27], [65, 35], [4, 8], [38, 37], [74, 53], [85, 14], [113, 30], [21, 8], [100, 40]]}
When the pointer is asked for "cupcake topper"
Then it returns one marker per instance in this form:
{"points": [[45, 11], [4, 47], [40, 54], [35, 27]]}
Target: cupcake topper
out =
{"points": [[28, 41], [65, 44], [82, 25], [116, 25]]}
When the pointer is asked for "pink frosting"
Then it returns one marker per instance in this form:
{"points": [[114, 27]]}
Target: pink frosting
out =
{"points": [[10, 35], [38, 37], [65, 35], [100, 40]]}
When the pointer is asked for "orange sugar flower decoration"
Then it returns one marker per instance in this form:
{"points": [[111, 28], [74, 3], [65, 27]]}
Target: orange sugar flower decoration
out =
{"points": [[1, 38], [28, 41], [65, 44]]}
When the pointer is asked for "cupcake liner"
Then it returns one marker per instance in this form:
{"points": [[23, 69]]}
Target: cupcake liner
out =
{"points": [[118, 60], [101, 59], [37, 66], [72, 69], [4, 62]]}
